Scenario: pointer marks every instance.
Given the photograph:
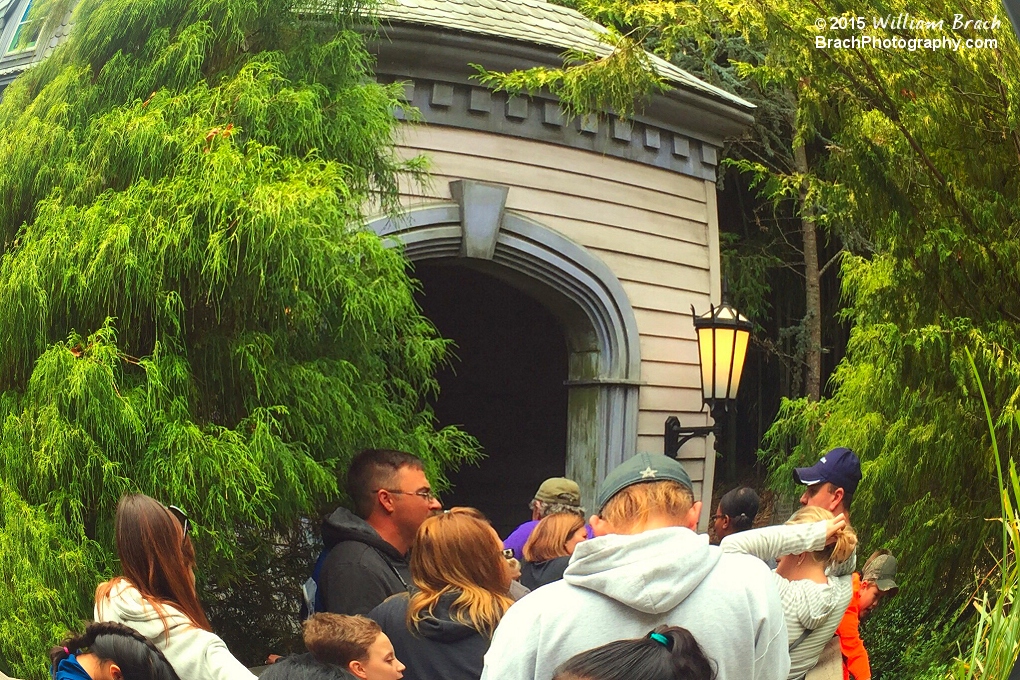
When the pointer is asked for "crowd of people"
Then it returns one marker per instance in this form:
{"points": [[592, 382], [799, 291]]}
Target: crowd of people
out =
{"points": [[403, 589]]}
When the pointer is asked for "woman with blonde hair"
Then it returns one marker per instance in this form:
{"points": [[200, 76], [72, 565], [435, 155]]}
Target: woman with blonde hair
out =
{"points": [[816, 554], [156, 596], [548, 549], [460, 580]]}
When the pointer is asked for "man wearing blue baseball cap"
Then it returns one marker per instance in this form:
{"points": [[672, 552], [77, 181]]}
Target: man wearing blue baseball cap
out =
{"points": [[647, 567], [831, 482]]}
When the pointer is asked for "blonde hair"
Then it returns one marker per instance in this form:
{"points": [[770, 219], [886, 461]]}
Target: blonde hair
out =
{"points": [[337, 639], [549, 538], [457, 553], [636, 503], [846, 538]]}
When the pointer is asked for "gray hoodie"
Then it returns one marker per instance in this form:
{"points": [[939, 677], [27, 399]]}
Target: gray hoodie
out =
{"points": [[620, 586], [194, 653]]}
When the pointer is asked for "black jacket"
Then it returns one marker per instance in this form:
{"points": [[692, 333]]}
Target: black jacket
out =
{"points": [[537, 574], [361, 569], [440, 649], [304, 667]]}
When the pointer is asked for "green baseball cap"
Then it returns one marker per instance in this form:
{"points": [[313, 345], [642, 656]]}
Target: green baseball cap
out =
{"points": [[559, 490], [880, 570], [643, 467]]}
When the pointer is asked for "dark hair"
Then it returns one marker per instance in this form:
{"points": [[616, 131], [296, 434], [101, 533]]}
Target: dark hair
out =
{"points": [[137, 658], [371, 470], [157, 558], [304, 667], [848, 496], [680, 658], [741, 506]]}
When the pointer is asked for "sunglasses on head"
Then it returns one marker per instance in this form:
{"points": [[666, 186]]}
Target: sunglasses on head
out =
{"points": [[181, 516]]}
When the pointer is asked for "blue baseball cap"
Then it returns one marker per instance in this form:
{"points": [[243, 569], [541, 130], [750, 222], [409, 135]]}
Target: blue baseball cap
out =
{"points": [[839, 466]]}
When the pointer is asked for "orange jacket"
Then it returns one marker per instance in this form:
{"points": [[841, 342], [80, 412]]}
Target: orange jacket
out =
{"points": [[855, 656]]}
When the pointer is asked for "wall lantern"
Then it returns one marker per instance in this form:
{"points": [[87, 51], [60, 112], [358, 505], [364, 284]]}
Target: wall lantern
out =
{"points": [[723, 335]]}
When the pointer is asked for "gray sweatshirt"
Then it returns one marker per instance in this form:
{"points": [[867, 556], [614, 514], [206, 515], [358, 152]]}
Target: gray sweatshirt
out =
{"points": [[194, 653], [815, 607], [620, 586]]}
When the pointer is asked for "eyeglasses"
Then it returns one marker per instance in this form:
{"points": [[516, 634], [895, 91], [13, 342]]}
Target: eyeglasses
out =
{"points": [[181, 517], [715, 517], [424, 494]]}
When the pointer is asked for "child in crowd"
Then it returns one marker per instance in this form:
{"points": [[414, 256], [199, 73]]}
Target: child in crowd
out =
{"points": [[109, 651], [667, 653], [810, 543], [354, 643], [547, 551]]}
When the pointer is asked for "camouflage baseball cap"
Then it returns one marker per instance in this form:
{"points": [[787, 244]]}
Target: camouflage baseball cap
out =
{"points": [[880, 570], [559, 490]]}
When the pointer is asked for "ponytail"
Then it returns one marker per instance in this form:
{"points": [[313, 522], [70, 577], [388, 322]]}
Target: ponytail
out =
{"points": [[666, 653], [846, 544], [686, 655], [136, 656], [846, 538]]}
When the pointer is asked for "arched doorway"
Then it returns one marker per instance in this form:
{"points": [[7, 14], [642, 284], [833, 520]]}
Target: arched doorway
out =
{"points": [[506, 385], [577, 288]]}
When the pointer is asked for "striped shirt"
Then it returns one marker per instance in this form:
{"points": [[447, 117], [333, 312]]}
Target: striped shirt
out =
{"points": [[807, 606]]}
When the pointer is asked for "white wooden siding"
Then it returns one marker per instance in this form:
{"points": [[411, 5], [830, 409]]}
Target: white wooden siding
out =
{"points": [[655, 229]]}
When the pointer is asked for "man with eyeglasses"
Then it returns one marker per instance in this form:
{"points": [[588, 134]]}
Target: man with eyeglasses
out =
{"points": [[365, 556]]}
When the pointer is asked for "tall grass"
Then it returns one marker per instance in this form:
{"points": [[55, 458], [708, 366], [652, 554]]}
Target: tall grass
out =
{"points": [[996, 638]]}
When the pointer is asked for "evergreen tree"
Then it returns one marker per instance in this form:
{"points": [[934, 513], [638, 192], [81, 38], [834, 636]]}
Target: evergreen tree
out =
{"points": [[190, 305], [916, 154]]}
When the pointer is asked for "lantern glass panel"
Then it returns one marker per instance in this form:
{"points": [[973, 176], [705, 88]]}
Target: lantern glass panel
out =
{"points": [[707, 358], [740, 354]]}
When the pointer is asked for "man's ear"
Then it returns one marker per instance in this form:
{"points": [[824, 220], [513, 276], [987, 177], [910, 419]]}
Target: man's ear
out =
{"points": [[358, 669], [600, 527], [693, 515], [385, 499], [837, 498]]}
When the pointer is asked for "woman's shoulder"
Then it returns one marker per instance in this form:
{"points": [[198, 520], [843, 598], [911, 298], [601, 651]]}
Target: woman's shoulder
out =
{"points": [[392, 606]]}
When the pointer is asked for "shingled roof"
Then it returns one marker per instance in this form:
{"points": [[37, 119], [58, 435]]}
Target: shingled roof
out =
{"points": [[535, 22]]}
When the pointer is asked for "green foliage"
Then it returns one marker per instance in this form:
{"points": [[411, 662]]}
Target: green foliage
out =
{"points": [[190, 306], [913, 637], [996, 639], [916, 160], [587, 84]]}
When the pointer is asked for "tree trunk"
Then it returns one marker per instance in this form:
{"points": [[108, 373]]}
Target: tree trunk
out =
{"points": [[812, 285]]}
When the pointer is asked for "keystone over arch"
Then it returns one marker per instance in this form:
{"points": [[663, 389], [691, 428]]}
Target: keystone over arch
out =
{"points": [[476, 230]]}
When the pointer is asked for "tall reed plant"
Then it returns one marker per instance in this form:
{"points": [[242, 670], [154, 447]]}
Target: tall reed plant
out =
{"points": [[996, 639]]}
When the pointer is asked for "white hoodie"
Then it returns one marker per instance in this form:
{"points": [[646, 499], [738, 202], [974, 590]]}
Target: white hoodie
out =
{"points": [[194, 653], [620, 586]]}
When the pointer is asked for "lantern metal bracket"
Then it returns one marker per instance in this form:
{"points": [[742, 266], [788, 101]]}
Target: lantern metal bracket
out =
{"points": [[676, 435]]}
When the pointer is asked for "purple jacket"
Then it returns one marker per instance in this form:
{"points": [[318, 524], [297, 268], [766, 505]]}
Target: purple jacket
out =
{"points": [[519, 536]]}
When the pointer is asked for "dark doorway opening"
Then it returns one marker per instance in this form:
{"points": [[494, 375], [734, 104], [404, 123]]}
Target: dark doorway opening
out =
{"points": [[505, 387]]}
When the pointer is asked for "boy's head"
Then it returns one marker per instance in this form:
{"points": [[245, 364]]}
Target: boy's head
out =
{"points": [[646, 491], [877, 581], [355, 643]]}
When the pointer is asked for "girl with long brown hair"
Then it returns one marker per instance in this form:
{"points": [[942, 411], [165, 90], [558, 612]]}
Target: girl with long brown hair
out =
{"points": [[548, 550], [442, 629], [155, 593]]}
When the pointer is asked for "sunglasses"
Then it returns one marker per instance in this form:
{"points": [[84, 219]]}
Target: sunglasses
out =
{"points": [[181, 516]]}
